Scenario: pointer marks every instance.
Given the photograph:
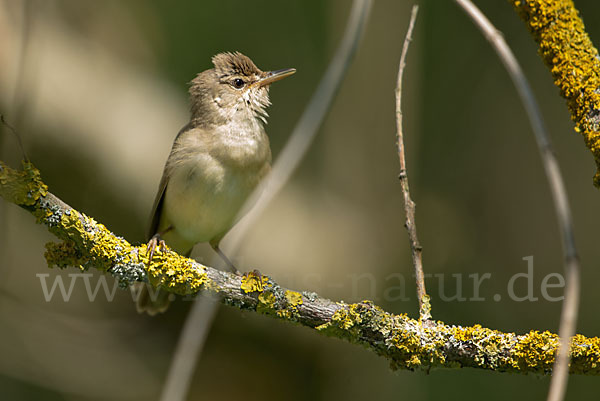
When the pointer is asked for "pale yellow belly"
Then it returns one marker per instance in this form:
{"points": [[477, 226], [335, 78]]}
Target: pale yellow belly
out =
{"points": [[203, 198]]}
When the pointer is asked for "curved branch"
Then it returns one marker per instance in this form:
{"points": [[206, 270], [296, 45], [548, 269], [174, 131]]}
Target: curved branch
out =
{"points": [[570, 307], [406, 343]]}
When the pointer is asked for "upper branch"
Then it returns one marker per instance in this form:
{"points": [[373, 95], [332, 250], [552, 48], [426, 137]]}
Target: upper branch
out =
{"points": [[573, 61]]}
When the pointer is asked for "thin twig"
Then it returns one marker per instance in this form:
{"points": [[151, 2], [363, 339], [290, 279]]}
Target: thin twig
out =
{"points": [[18, 109], [409, 206], [17, 136], [200, 318], [570, 306]]}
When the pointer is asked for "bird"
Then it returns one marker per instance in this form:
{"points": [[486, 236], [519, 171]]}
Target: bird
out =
{"points": [[217, 160]]}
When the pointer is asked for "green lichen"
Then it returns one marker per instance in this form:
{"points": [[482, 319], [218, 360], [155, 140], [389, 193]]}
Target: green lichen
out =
{"points": [[573, 61], [22, 188]]}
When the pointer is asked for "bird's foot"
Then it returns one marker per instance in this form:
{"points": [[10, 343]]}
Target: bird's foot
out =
{"points": [[253, 281], [155, 242], [225, 259]]}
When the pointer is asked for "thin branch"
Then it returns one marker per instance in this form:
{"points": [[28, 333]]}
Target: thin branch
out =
{"points": [[18, 107], [307, 127], [406, 343], [409, 206], [200, 318], [17, 136], [559, 194], [189, 348]]}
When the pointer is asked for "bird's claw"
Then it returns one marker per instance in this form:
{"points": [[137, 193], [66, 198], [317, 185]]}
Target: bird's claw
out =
{"points": [[254, 273], [155, 242]]}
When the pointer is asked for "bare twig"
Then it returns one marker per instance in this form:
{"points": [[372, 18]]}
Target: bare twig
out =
{"points": [[200, 318], [569, 312], [189, 347], [18, 108], [409, 205], [17, 136]]}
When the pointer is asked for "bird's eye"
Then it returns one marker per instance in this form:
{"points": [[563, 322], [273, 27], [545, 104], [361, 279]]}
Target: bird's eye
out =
{"points": [[238, 83]]}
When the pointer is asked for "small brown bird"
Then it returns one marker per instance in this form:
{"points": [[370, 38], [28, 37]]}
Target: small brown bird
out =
{"points": [[217, 160]]}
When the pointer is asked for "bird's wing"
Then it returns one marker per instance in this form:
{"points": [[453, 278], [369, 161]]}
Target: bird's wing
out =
{"points": [[157, 207], [162, 188]]}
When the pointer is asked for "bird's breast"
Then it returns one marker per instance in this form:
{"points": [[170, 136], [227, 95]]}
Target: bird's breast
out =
{"points": [[207, 189], [242, 144]]}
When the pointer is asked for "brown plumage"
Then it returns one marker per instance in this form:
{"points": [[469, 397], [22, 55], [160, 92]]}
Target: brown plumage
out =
{"points": [[229, 64], [217, 160]]}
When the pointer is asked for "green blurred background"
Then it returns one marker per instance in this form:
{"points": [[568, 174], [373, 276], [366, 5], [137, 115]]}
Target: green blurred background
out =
{"points": [[97, 91]]}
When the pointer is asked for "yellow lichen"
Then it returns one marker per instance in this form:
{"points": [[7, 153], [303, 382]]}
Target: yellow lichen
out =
{"points": [[254, 282], [346, 317], [266, 302], [585, 354], [407, 343], [21, 187], [62, 255], [489, 344], [285, 314], [573, 61], [290, 311], [425, 312], [293, 298], [416, 346], [95, 242], [174, 272], [535, 351]]}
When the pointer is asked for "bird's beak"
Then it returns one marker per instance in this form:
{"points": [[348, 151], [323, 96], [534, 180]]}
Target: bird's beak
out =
{"points": [[273, 76]]}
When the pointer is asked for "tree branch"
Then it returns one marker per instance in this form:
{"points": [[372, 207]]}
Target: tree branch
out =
{"points": [[573, 61], [406, 343]]}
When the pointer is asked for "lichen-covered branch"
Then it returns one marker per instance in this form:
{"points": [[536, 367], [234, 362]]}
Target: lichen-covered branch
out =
{"points": [[406, 343], [573, 61]]}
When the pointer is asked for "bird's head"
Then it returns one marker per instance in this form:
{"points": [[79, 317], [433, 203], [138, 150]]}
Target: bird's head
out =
{"points": [[234, 89]]}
